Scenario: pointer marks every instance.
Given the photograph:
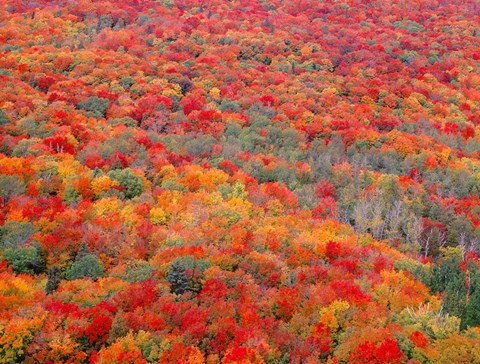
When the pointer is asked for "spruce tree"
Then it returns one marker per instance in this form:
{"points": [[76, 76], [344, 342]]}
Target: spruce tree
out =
{"points": [[54, 279], [177, 277]]}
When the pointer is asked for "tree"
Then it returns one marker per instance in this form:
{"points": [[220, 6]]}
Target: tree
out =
{"points": [[177, 277], [10, 185], [26, 259], [88, 266], [96, 106], [132, 183], [3, 117], [118, 329], [186, 273], [54, 279], [460, 291]]}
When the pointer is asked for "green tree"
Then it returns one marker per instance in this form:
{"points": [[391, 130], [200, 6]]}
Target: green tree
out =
{"points": [[471, 316], [126, 82], [9, 186], [132, 183], [15, 233], [96, 106], [177, 277], [449, 279], [185, 274], [25, 259], [87, 266], [3, 117]]}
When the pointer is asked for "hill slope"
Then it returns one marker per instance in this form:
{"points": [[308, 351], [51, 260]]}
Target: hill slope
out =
{"points": [[277, 182]]}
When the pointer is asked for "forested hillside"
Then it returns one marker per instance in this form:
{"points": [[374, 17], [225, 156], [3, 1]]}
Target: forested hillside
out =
{"points": [[186, 181]]}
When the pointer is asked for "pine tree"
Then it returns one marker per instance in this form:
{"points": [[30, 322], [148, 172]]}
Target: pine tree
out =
{"points": [[177, 277], [54, 279]]}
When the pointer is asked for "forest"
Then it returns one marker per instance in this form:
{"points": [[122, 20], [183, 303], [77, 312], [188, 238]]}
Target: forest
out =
{"points": [[251, 181]]}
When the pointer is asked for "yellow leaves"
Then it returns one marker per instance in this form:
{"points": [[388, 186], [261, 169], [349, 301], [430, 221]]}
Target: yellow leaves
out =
{"points": [[429, 318], [329, 315], [194, 356], [238, 191], [62, 346], [11, 285], [168, 172], [242, 206], [216, 176], [415, 102], [15, 336], [398, 291], [275, 207], [173, 90], [195, 177], [214, 92], [107, 205], [159, 216], [68, 166], [72, 140], [330, 91], [329, 320], [102, 184], [308, 116], [370, 73], [128, 215], [84, 291], [123, 347], [444, 154], [459, 348]]}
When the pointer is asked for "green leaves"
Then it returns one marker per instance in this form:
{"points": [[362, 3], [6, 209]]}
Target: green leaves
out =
{"points": [[96, 106], [25, 259], [132, 183], [88, 266], [185, 274]]}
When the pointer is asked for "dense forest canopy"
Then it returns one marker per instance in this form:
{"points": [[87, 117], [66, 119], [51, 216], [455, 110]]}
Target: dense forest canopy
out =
{"points": [[239, 181]]}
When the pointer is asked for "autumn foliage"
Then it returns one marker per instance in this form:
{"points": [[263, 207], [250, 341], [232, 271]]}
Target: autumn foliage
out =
{"points": [[239, 181]]}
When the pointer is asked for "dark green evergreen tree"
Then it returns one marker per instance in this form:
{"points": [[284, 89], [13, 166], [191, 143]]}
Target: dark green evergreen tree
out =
{"points": [[54, 278], [177, 277]]}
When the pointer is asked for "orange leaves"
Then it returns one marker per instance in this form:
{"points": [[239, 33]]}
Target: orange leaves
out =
{"points": [[398, 291], [15, 291], [15, 336], [194, 178], [56, 346], [247, 141], [280, 191], [16, 166], [63, 62], [403, 143], [102, 184], [124, 350]]}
